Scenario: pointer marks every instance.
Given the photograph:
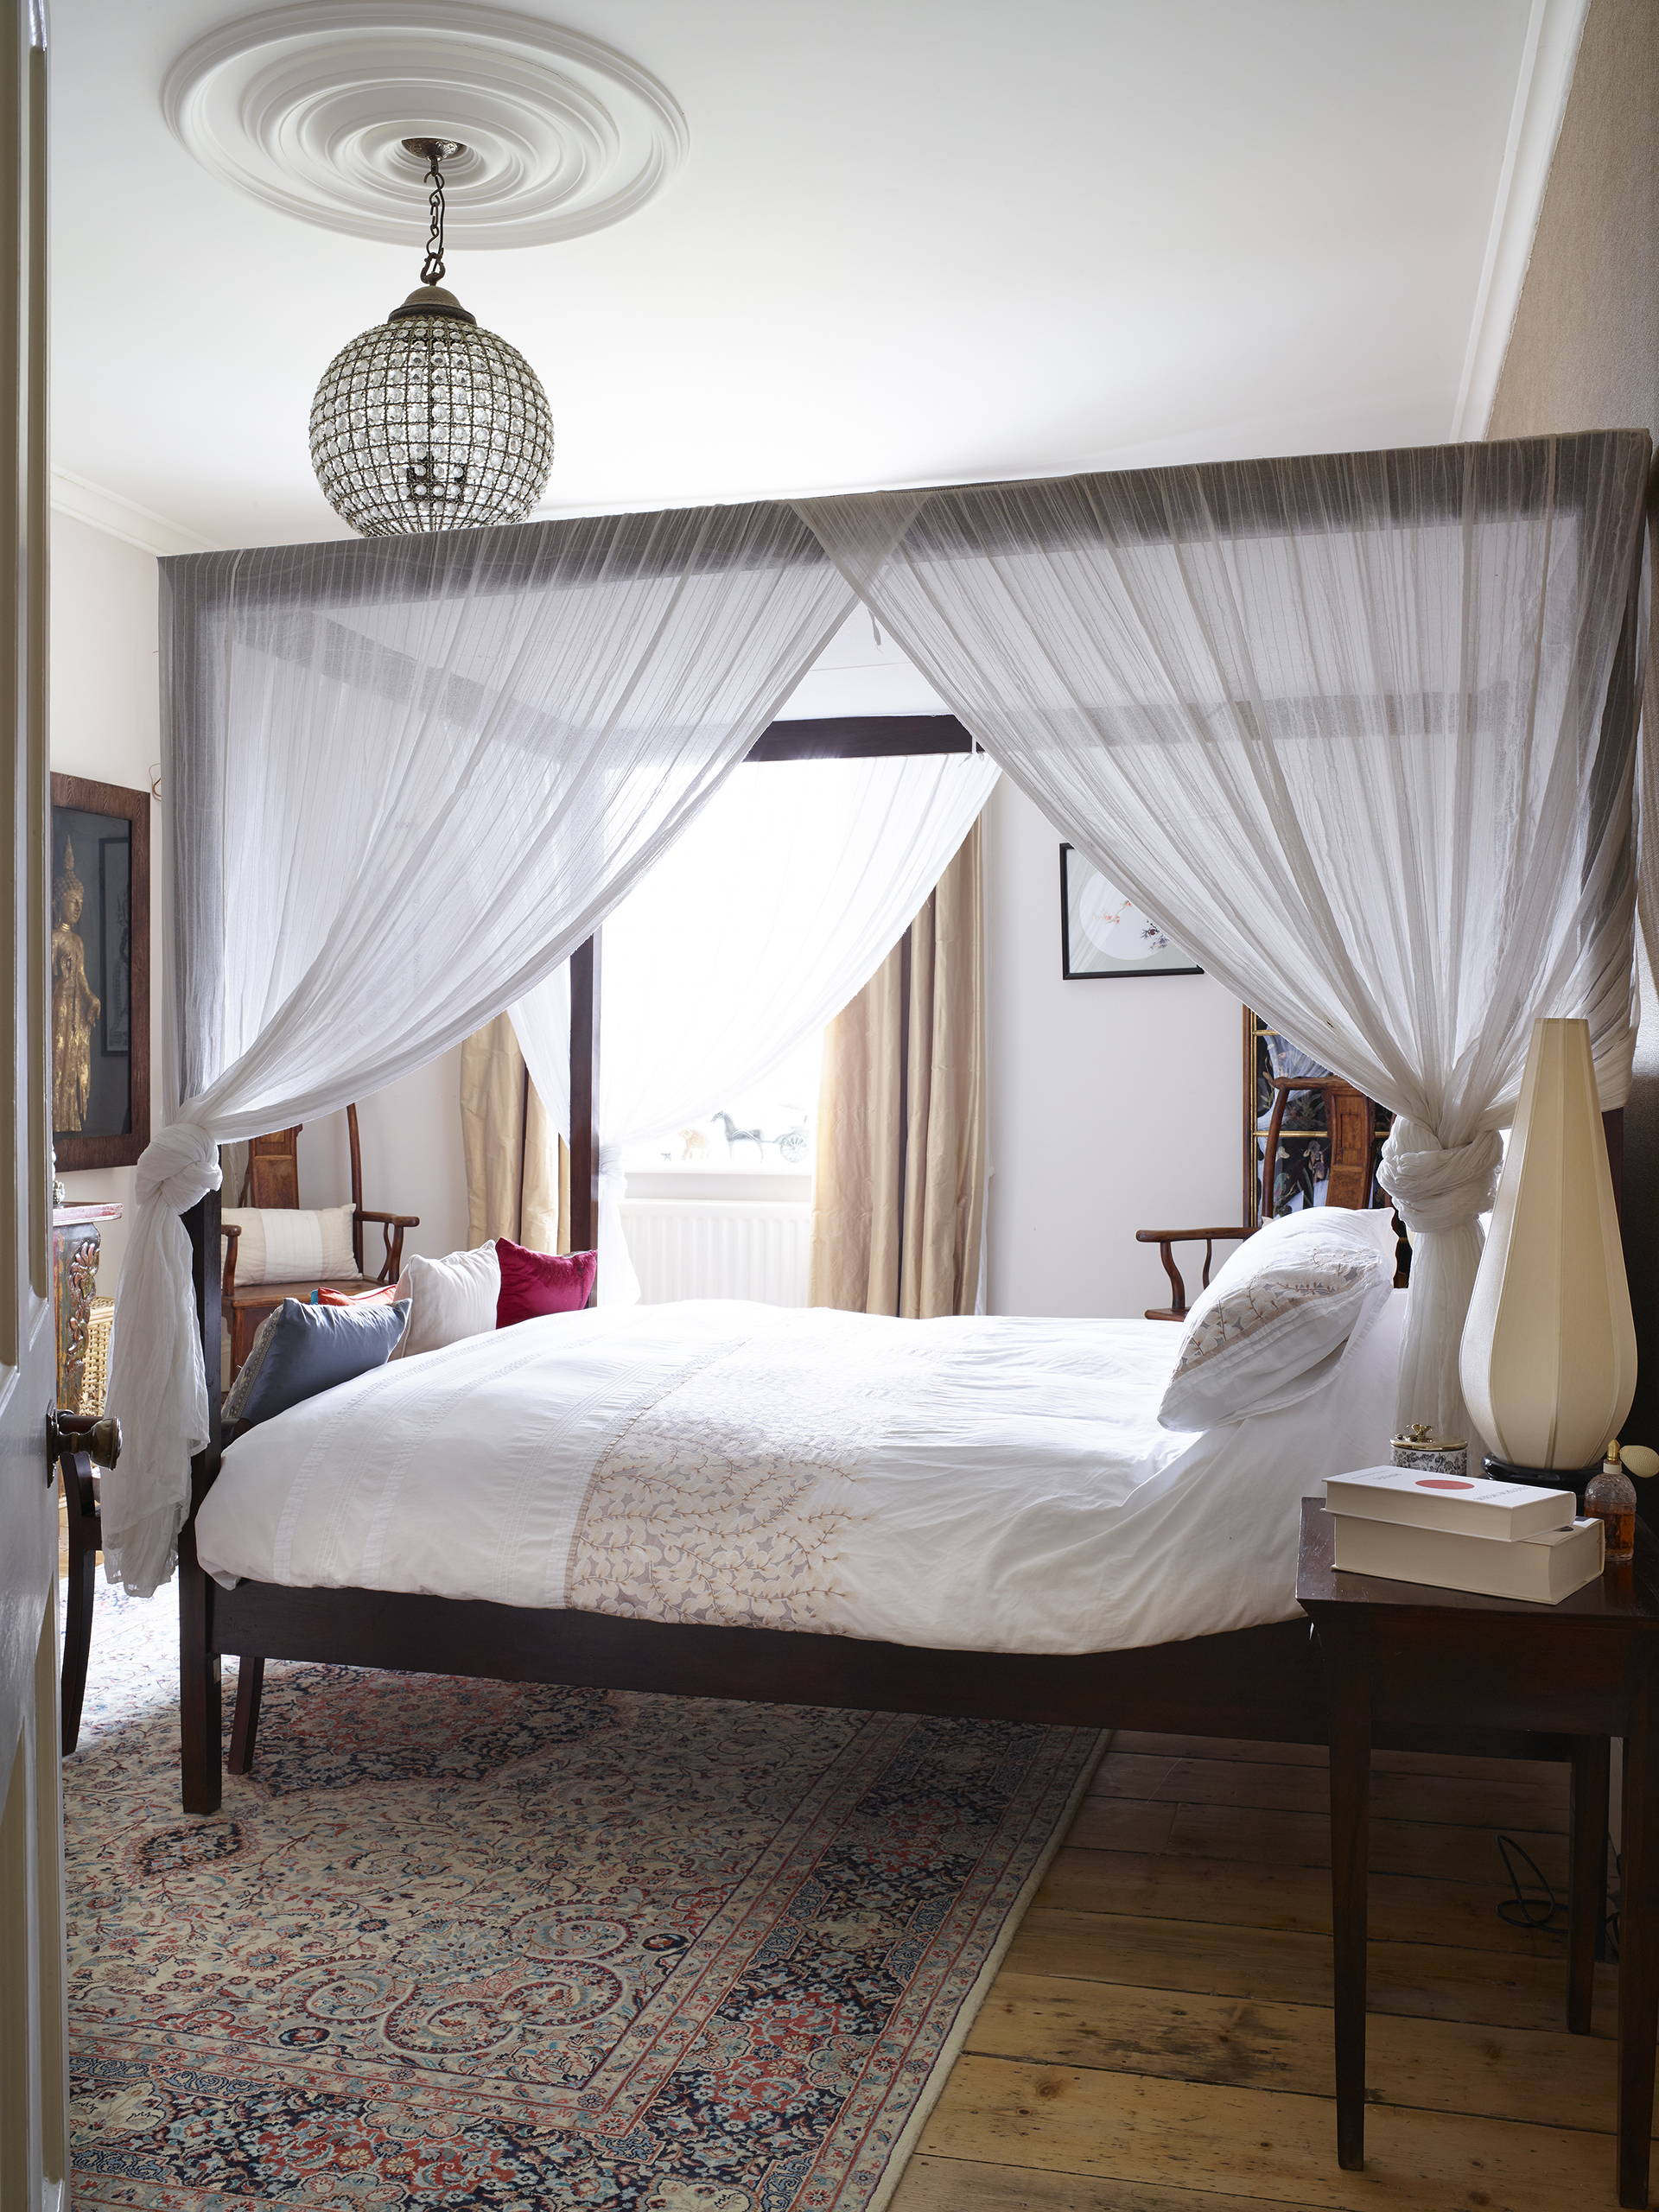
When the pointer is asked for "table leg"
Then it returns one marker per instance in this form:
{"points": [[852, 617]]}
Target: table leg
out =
{"points": [[1347, 1693], [1638, 1935], [1587, 1876]]}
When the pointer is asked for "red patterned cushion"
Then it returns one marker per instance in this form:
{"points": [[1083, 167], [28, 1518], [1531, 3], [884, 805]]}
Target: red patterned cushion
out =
{"points": [[327, 1295], [541, 1283]]}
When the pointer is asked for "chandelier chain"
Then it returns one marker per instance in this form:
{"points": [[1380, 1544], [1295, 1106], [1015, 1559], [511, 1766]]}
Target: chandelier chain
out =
{"points": [[432, 267]]}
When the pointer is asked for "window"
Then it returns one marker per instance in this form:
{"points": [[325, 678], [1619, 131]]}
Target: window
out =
{"points": [[764, 1136]]}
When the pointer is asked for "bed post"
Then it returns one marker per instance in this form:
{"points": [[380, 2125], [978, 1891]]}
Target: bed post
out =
{"points": [[199, 1751], [584, 1095]]}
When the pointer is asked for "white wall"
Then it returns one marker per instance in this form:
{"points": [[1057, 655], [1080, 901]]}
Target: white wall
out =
{"points": [[106, 725], [1115, 1104], [412, 1160]]}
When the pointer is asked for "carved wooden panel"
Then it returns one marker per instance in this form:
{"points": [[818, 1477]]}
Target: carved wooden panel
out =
{"points": [[74, 1278], [273, 1176]]}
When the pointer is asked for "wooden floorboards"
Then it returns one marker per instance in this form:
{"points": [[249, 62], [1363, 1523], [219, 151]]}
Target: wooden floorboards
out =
{"points": [[1159, 2037]]}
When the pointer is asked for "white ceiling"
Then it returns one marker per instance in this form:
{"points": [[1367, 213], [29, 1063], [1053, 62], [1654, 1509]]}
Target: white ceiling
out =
{"points": [[911, 241]]}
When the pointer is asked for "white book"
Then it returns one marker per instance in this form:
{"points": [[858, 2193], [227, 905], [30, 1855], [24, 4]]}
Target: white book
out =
{"points": [[1544, 1569], [1473, 1505]]}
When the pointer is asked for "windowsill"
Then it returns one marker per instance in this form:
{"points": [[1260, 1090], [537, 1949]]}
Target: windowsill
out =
{"points": [[695, 1185]]}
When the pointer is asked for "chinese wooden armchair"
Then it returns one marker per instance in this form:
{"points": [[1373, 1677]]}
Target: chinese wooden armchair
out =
{"points": [[273, 1179], [1350, 1179]]}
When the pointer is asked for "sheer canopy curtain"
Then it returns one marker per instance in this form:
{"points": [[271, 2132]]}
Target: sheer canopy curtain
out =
{"points": [[1359, 729], [403, 777], [777, 906]]}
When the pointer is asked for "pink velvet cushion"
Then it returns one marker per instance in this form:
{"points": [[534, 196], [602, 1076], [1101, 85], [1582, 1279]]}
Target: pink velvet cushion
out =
{"points": [[541, 1283]]}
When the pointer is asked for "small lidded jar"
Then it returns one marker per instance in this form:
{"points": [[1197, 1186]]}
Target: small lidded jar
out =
{"points": [[1419, 1448], [1610, 1498]]}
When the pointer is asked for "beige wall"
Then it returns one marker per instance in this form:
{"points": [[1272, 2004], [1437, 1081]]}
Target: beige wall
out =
{"points": [[1584, 355], [1584, 350]]}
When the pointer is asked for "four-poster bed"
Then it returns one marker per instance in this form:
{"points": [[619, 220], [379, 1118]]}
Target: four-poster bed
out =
{"points": [[1408, 854]]}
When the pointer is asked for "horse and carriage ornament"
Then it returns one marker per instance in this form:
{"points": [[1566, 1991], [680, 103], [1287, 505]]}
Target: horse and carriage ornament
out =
{"points": [[791, 1144]]}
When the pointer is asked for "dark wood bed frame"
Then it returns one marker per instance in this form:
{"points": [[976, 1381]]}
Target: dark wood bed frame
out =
{"points": [[1263, 1684]]}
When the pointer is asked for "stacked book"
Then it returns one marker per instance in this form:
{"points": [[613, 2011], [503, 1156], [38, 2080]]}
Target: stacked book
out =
{"points": [[1503, 1540]]}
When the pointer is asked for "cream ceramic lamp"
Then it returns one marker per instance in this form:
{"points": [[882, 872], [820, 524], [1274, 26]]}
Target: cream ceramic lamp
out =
{"points": [[1548, 1357]]}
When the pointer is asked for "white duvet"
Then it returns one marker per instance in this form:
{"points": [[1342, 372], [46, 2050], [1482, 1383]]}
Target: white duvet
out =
{"points": [[984, 1484]]}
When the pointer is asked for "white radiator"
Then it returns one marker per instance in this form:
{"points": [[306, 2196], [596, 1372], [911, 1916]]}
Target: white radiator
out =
{"points": [[719, 1247]]}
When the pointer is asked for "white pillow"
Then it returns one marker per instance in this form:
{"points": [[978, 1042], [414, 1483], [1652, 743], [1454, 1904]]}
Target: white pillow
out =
{"points": [[449, 1299], [1276, 1320], [281, 1244]]}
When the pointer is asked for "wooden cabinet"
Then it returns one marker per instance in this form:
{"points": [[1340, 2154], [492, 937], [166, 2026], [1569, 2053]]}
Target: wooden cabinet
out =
{"points": [[76, 1235]]}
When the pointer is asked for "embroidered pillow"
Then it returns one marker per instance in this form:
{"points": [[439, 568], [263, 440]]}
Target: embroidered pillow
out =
{"points": [[1279, 1316], [283, 1244], [541, 1283], [451, 1298], [302, 1349]]}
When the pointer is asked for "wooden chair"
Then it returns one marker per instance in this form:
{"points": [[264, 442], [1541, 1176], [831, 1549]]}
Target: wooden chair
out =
{"points": [[1350, 1133], [80, 1441], [273, 1179]]}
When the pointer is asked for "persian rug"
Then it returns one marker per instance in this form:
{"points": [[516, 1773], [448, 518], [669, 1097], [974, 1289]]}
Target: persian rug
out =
{"points": [[458, 1943]]}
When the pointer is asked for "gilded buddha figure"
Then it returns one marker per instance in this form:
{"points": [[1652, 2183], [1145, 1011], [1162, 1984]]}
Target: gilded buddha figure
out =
{"points": [[74, 1009]]}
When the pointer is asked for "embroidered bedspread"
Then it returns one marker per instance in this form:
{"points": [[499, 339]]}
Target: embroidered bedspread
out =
{"points": [[986, 1484]]}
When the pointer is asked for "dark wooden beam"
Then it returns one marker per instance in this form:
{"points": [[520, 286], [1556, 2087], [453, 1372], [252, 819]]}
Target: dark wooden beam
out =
{"points": [[584, 1095], [860, 737]]}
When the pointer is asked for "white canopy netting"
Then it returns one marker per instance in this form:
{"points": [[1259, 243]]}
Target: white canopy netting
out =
{"points": [[1360, 730], [776, 907]]}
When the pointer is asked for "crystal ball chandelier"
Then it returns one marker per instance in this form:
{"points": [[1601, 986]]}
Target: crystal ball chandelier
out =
{"points": [[426, 422]]}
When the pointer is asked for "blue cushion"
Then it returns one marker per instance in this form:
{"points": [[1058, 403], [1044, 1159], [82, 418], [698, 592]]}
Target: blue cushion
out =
{"points": [[300, 1349]]}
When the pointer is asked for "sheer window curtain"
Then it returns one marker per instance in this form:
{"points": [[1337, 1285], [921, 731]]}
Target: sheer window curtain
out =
{"points": [[405, 776], [898, 1196], [767, 916], [1360, 729]]}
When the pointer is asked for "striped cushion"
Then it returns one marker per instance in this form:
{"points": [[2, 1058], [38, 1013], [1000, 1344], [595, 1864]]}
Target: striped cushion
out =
{"points": [[283, 1244]]}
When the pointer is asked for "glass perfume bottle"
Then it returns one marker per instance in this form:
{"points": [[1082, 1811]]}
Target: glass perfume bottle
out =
{"points": [[1611, 1497]]}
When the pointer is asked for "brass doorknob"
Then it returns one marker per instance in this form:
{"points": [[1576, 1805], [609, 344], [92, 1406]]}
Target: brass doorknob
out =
{"points": [[99, 1438]]}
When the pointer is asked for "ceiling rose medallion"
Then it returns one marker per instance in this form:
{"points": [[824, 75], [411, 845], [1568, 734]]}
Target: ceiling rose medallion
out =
{"points": [[426, 422], [309, 108]]}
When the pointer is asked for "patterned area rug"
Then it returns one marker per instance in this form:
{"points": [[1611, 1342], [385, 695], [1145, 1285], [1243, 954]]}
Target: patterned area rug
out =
{"points": [[472, 1944]]}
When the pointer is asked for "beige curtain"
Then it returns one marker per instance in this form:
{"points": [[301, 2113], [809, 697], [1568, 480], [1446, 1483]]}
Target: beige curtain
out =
{"points": [[900, 1192], [518, 1166]]}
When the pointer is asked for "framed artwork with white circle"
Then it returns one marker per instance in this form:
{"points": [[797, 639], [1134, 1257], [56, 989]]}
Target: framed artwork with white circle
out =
{"points": [[1103, 932]]}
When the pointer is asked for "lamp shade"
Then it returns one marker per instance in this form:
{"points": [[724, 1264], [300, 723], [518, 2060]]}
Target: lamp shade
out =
{"points": [[1549, 1357]]}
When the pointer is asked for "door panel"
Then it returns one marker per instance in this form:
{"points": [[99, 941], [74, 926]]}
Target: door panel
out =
{"points": [[33, 2115]]}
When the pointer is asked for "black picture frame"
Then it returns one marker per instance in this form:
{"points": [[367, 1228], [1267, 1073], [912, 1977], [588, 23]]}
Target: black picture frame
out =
{"points": [[1168, 959], [109, 825]]}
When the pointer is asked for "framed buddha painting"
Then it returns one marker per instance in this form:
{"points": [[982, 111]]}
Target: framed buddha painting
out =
{"points": [[98, 869]]}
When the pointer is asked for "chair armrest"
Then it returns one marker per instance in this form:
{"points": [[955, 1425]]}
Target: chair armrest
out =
{"points": [[1165, 1239], [231, 1233], [392, 1226]]}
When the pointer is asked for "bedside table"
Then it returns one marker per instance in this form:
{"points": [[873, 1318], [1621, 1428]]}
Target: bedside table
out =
{"points": [[1403, 1657]]}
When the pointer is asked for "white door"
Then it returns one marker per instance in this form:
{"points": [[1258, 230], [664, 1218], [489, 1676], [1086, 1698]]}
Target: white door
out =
{"points": [[33, 2047]]}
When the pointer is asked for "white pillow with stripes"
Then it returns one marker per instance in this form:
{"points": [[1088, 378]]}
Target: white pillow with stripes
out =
{"points": [[283, 1244]]}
